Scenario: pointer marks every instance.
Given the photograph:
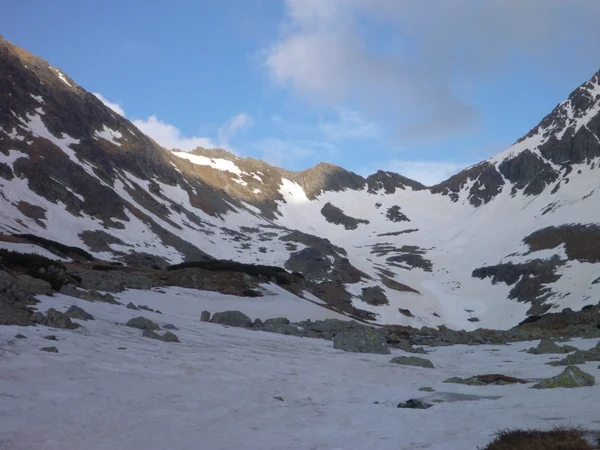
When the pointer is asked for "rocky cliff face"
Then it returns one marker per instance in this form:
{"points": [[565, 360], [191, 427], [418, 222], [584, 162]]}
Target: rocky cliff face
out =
{"points": [[484, 248], [543, 158]]}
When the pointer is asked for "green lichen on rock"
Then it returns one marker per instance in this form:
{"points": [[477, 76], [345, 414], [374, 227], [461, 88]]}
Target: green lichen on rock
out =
{"points": [[142, 323], [363, 340], [547, 346], [54, 319], [412, 361], [571, 377]]}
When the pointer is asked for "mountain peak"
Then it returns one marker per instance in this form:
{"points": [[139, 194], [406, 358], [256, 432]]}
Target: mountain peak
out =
{"points": [[388, 182]]}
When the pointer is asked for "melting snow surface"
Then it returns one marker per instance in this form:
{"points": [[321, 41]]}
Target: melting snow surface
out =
{"points": [[62, 77], [215, 163], [216, 388], [14, 134], [109, 134], [37, 98], [12, 156]]}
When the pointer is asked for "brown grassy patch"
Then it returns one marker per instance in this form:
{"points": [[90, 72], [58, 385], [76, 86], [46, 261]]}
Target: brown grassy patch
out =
{"points": [[31, 211], [10, 238], [560, 438], [393, 284], [498, 378]]}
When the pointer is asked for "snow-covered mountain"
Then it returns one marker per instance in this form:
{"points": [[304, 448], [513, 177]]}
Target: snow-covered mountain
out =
{"points": [[512, 236]]}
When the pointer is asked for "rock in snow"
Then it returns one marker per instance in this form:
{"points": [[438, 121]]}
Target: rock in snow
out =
{"points": [[415, 404], [143, 324], [572, 377], [232, 318], [412, 361], [363, 340], [75, 312]]}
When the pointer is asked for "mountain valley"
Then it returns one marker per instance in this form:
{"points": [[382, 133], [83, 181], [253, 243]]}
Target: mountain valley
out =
{"points": [[508, 238]]}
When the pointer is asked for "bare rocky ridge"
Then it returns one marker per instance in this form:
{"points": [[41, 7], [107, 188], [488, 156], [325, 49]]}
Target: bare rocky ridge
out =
{"points": [[389, 182], [533, 170], [69, 110], [487, 183]]}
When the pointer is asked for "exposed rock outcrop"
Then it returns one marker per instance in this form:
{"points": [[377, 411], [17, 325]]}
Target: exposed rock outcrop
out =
{"points": [[232, 318], [572, 377], [363, 340], [15, 302], [335, 215], [412, 361]]}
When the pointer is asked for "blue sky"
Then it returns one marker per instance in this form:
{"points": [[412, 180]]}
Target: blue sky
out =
{"points": [[421, 88]]}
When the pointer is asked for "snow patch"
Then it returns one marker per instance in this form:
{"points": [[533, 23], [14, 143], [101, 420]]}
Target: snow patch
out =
{"points": [[37, 98], [109, 135], [215, 163], [34, 123], [292, 192], [12, 156], [61, 76]]}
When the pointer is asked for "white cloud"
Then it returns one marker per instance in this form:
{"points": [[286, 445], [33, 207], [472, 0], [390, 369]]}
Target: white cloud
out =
{"points": [[114, 106], [232, 127], [288, 153], [350, 125], [411, 60], [170, 136], [429, 173]]}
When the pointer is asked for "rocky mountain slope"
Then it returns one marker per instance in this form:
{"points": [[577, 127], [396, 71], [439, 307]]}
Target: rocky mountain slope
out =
{"points": [[512, 236]]}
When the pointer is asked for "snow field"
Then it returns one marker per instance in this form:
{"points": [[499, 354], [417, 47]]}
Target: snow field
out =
{"points": [[216, 389]]}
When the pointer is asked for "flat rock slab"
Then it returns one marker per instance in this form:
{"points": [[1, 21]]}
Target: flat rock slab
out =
{"points": [[486, 380], [415, 404], [49, 349], [412, 361], [450, 397]]}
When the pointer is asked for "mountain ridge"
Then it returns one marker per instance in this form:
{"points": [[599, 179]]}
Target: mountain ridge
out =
{"points": [[459, 253]]}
